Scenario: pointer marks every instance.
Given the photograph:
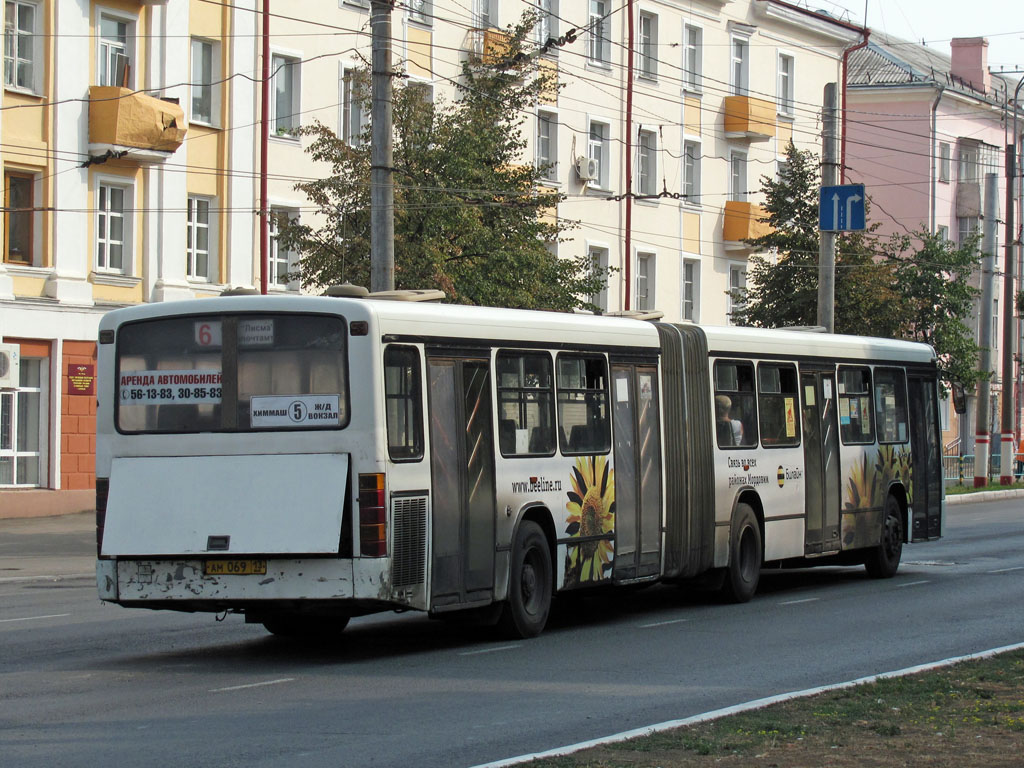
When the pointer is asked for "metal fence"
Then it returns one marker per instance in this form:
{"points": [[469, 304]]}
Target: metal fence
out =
{"points": [[959, 470]]}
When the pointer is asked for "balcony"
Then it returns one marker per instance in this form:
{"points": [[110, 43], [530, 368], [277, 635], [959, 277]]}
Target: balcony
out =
{"points": [[743, 222], [749, 118], [490, 45], [968, 199], [121, 120]]}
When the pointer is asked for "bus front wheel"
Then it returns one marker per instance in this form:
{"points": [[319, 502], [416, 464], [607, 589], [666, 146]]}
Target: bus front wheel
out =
{"points": [[883, 561], [530, 581], [745, 556]]}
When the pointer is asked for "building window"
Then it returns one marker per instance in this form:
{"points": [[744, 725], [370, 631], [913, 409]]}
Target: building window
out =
{"points": [[205, 73], [285, 102], [785, 95], [691, 288], [598, 256], [600, 48], [967, 163], [200, 238], [23, 426], [647, 55], [647, 163], [115, 55], [738, 177], [113, 239], [943, 232], [354, 115], [692, 55], [944, 161], [486, 13], [547, 145], [19, 197], [283, 262], [645, 281], [966, 228], [421, 11], [739, 67], [547, 23], [597, 149], [737, 286], [19, 45], [691, 172]]}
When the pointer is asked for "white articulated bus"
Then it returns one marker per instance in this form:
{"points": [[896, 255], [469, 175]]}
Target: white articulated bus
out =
{"points": [[303, 460]]}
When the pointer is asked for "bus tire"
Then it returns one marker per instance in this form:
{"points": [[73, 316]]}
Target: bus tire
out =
{"points": [[883, 561], [298, 627], [530, 584], [745, 556]]}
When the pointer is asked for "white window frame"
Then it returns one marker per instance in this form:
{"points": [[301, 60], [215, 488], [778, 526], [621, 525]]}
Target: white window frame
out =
{"points": [[602, 253], [278, 68], [600, 149], [738, 176], [691, 171], [645, 282], [692, 79], [275, 260], [647, 45], [547, 24], [485, 13], [197, 84], [785, 100], [647, 163], [599, 39], [15, 455], [548, 118], [193, 252], [944, 158], [351, 110], [130, 49], [966, 226], [127, 215], [691, 282], [739, 65], [17, 38], [737, 279], [943, 232], [421, 12]]}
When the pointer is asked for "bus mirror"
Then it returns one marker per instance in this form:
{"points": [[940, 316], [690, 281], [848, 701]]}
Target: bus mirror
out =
{"points": [[959, 398]]}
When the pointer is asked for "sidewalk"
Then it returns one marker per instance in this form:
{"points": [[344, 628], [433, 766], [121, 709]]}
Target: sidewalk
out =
{"points": [[48, 548]]}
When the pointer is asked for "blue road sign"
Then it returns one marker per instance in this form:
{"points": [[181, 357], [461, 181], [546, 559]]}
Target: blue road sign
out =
{"points": [[841, 208]]}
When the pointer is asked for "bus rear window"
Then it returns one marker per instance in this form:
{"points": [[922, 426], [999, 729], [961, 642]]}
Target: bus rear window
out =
{"points": [[232, 373]]}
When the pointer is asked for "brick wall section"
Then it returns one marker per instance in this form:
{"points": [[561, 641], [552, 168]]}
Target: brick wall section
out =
{"points": [[78, 423]]}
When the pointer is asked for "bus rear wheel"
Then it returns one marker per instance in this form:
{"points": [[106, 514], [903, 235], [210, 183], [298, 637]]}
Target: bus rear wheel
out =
{"points": [[745, 556], [530, 582], [883, 561], [299, 627]]}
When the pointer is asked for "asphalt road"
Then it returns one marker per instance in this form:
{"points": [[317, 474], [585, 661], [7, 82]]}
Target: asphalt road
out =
{"points": [[83, 684]]}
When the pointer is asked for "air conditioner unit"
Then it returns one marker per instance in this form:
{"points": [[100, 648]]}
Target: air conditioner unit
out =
{"points": [[586, 168], [9, 356]]}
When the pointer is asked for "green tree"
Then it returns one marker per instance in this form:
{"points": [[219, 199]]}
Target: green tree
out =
{"points": [[470, 214]]}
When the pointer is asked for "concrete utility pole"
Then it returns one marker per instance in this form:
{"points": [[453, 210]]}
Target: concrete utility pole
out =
{"points": [[1007, 448], [382, 183], [827, 243], [988, 279]]}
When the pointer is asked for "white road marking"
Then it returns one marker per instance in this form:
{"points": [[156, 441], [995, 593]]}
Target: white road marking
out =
{"points": [[489, 650], [662, 623], [34, 618], [1007, 570], [797, 602], [913, 583], [252, 685], [47, 577], [745, 707]]}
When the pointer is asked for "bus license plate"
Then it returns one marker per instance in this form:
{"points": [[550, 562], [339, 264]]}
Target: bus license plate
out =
{"points": [[235, 567]]}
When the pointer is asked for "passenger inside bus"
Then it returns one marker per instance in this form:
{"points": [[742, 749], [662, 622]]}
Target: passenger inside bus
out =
{"points": [[730, 431]]}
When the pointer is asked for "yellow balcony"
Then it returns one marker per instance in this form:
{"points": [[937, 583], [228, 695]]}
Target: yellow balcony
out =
{"points": [[750, 118], [743, 222], [121, 119], [491, 45]]}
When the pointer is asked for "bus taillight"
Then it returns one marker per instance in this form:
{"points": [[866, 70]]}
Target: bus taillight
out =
{"points": [[373, 520]]}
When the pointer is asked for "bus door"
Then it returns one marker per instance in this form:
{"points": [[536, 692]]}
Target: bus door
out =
{"points": [[462, 480], [821, 461], [927, 463], [635, 418]]}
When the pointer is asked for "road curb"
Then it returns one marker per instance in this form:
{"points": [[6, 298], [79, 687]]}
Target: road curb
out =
{"points": [[968, 498]]}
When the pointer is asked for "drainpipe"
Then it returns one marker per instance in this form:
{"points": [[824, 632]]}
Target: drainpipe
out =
{"points": [[842, 147], [264, 142], [934, 131], [629, 154]]}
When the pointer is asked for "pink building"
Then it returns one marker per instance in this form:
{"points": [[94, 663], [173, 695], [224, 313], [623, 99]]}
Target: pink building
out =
{"points": [[922, 131]]}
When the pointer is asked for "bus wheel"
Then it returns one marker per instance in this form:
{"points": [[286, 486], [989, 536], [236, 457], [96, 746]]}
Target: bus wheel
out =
{"points": [[305, 627], [745, 555], [529, 588], [883, 561]]}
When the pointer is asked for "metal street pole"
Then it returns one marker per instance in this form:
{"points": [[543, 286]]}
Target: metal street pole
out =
{"points": [[827, 243], [382, 186], [1006, 452], [988, 269]]}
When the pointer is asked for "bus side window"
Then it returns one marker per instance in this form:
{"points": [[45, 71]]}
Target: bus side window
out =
{"points": [[526, 419], [777, 405], [891, 405], [855, 424], [583, 405], [403, 403], [735, 406]]}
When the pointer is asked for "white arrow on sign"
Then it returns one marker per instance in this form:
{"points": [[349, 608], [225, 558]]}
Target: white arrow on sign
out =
{"points": [[849, 207], [835, 210]]}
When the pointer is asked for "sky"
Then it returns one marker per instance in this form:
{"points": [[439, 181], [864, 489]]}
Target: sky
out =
{"points": [[937, 21]]}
